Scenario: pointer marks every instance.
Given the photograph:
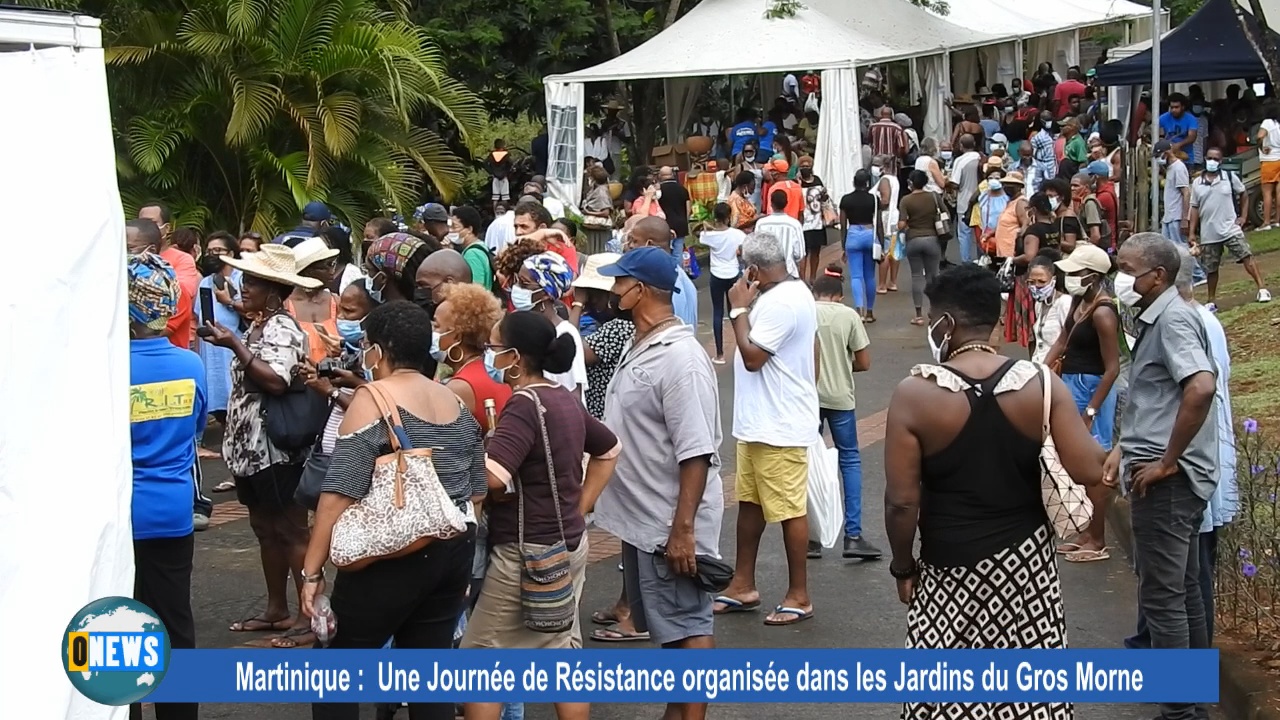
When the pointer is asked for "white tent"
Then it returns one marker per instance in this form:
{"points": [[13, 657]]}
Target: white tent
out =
{"points": [[835, 36], [65, 474]]}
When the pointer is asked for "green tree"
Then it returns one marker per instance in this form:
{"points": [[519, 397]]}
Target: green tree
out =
{"points": [[238, 112]]}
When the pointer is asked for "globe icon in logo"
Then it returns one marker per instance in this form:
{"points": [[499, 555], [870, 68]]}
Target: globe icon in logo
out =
{"points": [[115, 686]]}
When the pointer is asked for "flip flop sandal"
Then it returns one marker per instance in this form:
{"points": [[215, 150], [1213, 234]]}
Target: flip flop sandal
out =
{"points": [[614, 635], [918, 321], [1085, 556], [893, 288], [604, 617], [733, 605], [797, 615], [1070, 547], [224, 486], [882, 291], [290, 638], [263, 625]]}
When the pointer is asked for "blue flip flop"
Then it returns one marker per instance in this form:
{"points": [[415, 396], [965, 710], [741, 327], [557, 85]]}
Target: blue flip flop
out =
{"points": [[797, 614], [733, 605]]}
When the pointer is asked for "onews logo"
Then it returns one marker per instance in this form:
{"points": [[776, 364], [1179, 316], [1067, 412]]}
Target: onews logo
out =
{"points": [[115, 651]]}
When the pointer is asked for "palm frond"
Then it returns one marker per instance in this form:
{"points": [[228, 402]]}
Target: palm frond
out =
{"points": [[245, 17], [340, 115], [255, 103]]}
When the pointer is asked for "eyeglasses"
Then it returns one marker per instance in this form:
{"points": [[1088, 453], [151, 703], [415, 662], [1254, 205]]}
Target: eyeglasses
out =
{"points": [[495, 347]]}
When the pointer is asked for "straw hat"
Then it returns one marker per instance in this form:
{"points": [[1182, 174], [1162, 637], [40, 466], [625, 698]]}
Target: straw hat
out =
{"points": [[1014, 178], [273, 262], [591, 278], [311, 251]]}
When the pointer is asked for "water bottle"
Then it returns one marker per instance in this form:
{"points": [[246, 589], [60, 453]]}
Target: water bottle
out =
{"points": [[323, 623]]}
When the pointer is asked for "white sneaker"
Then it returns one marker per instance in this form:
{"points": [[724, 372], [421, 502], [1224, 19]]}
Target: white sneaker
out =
{"points": [[1264, 295], [1264, 228]]}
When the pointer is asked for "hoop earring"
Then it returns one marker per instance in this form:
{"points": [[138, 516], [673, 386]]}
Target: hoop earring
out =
{"points": [[512, 375], [448, 355]]}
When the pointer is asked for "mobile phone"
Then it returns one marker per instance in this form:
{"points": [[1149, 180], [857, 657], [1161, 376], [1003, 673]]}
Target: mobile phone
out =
{"points": [[219, 281], [206, 311]]}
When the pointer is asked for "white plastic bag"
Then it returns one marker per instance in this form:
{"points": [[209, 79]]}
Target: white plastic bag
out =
{"points": [[826, 495]]}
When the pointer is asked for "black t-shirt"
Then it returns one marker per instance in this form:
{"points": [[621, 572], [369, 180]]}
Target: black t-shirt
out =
{"points": [[859, 208], [1083, 355], [674, 204]]}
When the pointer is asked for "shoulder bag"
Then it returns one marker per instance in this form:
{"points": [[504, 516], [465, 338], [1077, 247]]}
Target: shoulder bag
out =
{"points": [[1065, 502], [546, 582], [942, 225], [406, 506], [294, 418], [314, 471]]}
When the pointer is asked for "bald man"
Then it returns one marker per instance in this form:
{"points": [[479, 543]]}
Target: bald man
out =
{"points": [[677, 206], [441, 267], [654, 231]]}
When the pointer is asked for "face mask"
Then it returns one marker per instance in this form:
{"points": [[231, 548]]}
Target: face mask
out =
{"points": [[946, 154], [211, 264], [615, 301], [351, 331], [364, 360], [522, 298], [1125, 291], [706, 120], [1054, 202], [749, 157], [876, 171], [1076, 286], [375, 293], [1197, 109], [1041, 294], [1162, 161], [994, 185], [494, 373], [935, 347], [422, 298], [453, 238], [436, 353], [806, 172], [1212, 165], [657, 195]]}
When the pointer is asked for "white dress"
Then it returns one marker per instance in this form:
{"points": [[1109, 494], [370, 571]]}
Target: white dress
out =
{"points": [[922, 164]]}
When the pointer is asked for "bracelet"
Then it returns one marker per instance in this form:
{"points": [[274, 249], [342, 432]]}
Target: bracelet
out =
{"points": [[910, 572], [313, 579]]}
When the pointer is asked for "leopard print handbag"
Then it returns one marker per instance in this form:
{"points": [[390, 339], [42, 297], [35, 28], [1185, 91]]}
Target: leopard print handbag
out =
{"points": [[406, 508]]}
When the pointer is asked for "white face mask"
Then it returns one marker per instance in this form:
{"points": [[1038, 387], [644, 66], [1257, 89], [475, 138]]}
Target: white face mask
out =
{"points": [[1125, 292], [876, 170], [935, 347], [946, 154], [453, 238], [364, 360], [1212, 165], [1054, 202], [1076, 285], [522, 298]]}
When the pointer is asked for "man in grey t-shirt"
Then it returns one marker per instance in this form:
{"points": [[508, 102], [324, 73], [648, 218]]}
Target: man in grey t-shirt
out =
{"points": [[1213, 212]]}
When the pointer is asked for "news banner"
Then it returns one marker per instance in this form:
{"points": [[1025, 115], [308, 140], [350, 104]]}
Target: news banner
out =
{"points": [[116, 652]]}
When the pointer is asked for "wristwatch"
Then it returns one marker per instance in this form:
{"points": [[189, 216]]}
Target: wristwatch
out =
{"points": [[333, 394], [1090, 412], [736, 312]]}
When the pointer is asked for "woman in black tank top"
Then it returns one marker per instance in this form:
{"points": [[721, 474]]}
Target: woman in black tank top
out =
{"points": [[1087, 353], [962, 449]]}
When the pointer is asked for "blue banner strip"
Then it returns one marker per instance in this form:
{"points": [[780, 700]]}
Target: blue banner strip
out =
{"points": [[719, 676]]}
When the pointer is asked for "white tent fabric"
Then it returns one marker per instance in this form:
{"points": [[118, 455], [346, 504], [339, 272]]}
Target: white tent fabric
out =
{"points": [[682, 99], [64, 498], [839, 152], [1061, 49], [566, 138], [1007, 18], [935, 71]]}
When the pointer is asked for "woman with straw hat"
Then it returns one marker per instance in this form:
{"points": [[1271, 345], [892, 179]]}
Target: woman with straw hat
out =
{"points": [[267, 358], [316, 309]]}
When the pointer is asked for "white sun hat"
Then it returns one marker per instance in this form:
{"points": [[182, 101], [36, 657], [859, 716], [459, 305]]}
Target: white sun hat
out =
{"points": [[273, 262], [311, 251], [591, 277]]}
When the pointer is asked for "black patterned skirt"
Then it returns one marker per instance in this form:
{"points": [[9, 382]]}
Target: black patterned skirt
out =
{"points": [[1012, 599]]}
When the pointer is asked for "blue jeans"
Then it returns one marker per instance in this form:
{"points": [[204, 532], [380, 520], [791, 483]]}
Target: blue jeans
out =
{"points": [[1141, 640], [862, 268], [1082, 388], [844, 431], [677, 249], [1173, 231], [964, 233]]}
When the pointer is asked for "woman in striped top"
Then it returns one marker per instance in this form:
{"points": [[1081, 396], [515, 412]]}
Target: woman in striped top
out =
{"points": [[416, 598]]}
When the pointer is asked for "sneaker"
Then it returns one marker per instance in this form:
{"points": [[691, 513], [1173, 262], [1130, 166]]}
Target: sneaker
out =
{"points": [[717, 360], [1264, 295], [1264, 228], [815, 551], [856, 547], [1213, 307], [1201, 282], [201, 522]]}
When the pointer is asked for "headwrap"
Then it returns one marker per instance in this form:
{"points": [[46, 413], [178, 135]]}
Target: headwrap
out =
{"points": [[390, 253], [153, 290], [420, 211], [551, 272]]}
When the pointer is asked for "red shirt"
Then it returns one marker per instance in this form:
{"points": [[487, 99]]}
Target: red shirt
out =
{"points": [[1062, 95], [795, 197], [484, 388], [181, 326]]}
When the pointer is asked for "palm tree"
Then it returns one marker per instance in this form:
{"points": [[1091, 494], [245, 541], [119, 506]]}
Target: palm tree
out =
{"points": [[239, 112]]}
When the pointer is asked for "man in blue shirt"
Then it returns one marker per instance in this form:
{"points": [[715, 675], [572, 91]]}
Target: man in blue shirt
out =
{"points": [[743, 131], [315, 218], [1180, 128], [654, 231], [167, 407]]}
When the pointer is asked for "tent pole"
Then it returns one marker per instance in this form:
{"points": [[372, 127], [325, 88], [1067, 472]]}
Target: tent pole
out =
{"points": [[1153, 112]]}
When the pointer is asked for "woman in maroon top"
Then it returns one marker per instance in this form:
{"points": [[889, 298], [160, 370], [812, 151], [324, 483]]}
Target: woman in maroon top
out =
{"points": [[525, 346], [462, 324]]}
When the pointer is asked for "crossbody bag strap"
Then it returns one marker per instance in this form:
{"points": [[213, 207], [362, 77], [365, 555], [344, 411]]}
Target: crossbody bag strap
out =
{"points": [[390, 418], [1048, 402], [551, 467]]}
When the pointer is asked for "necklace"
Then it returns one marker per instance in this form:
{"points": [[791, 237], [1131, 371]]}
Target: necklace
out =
{"points": [[656, 327], [971, 347]]}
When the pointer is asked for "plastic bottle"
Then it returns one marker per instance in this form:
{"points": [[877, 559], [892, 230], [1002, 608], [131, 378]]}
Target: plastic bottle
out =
{"points": [[323, 622]]}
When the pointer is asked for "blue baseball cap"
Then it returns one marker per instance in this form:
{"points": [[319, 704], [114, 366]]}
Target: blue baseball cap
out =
{"points": [[650, 265], [316, 211], [1099, 168]]}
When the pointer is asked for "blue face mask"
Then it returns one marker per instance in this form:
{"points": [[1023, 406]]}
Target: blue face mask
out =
{"points": [[351, 331], [375, 294], [495, 374]]}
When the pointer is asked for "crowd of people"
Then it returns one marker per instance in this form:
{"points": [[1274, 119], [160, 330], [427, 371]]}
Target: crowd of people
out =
{"points": [[532, 383]]}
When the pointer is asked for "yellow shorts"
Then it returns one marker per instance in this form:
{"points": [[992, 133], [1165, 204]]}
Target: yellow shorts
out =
{"points": [[1271, 172], [775, 478]]}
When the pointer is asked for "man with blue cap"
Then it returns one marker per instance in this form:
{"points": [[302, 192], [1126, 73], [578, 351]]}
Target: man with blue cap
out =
{"points": [[666, 501], [315, 218], [653, 231]]}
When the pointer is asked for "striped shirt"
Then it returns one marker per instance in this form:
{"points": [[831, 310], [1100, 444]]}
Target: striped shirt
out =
{"points": [[887, 137], [457, 453]]}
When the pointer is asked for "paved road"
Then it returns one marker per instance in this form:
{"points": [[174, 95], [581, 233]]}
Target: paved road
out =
{"points": [[856, 603]]}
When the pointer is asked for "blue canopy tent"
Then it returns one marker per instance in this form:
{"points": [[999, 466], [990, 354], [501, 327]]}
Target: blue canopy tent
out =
{"points": [[1209, 45]]}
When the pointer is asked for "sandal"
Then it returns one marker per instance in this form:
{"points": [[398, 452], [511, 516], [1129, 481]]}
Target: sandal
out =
{"points": [[605, 617], [1085, 556], [918, 321], [294, 638], [613, 635], [261, 624], [224, 486], [793, 615], [1069, 547], [882, 291], [734, 605], [893, 288]]}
